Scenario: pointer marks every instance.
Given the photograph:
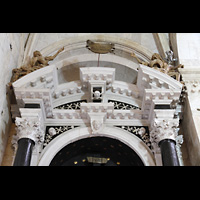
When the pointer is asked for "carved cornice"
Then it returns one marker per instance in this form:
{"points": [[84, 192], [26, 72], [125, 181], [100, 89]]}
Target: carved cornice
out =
{"points": [[41, 94], [92, 74], [43, 78], [149, 78]]}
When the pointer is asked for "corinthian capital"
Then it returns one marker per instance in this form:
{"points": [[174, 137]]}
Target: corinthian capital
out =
{"points": [[164, 129], [28, 128]]}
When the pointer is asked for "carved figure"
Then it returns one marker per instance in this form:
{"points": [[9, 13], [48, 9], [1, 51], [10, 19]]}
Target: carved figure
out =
{"points": [[97, 94], [36, 62], [142, 131], [159, 64], [96, 125], [52, 131], [170, 57]]}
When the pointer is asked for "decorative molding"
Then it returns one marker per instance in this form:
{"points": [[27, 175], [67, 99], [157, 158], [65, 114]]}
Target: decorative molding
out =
{"points": [[84, 132], [42, 78], [37, 95], [140, 131], [71, 105], [127, 89], [118, 105], [149, 78], [97, 80], [53, 131], [88, 74], [97, 114], [71, 88]]}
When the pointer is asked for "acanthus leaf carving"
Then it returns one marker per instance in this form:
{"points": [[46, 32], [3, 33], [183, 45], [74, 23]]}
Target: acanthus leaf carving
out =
{"points": [[28, 128], [164, 129]]}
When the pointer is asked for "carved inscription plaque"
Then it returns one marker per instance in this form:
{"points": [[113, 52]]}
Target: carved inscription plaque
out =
{"points": [[100, 47]]}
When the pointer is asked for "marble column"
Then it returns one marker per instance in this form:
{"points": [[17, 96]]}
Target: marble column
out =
{"points": [[168, 152], [24, 152], [29, 133], [163, 134]]}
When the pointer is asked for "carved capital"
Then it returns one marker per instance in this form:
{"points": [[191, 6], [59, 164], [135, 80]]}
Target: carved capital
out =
{"points": [[164, 129], [28, 128]]}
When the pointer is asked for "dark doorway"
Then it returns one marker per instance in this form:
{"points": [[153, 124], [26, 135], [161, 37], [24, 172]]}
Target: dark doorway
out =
{"points": [[96, 151]]}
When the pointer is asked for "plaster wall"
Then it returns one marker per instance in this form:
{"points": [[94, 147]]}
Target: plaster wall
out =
{"points": [[188, 49]]}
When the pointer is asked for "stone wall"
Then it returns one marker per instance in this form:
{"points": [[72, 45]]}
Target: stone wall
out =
{"points": [[189, 49], [189, 55], [11, 55]]}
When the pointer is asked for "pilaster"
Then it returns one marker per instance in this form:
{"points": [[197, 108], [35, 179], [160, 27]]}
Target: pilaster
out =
{"points": [[191, 114]]}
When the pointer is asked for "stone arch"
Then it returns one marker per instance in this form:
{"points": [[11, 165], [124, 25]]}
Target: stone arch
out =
{"points": [[80, 133]]}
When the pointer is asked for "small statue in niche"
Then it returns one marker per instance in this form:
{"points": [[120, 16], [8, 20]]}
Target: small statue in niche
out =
{"points": [[159, 64], [36, 62]]}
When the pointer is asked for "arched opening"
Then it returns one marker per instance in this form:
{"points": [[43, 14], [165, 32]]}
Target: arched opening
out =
{"points": [[97, 151], [80, 143]]}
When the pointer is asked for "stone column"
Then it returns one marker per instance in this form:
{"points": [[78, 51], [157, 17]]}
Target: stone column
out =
{"points": [[168, 152], [24, 152], [29, 133], [163, 135]]}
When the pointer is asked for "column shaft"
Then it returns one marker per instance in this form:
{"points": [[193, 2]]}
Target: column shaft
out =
{"points": [[168, 152], [24, 152]]}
